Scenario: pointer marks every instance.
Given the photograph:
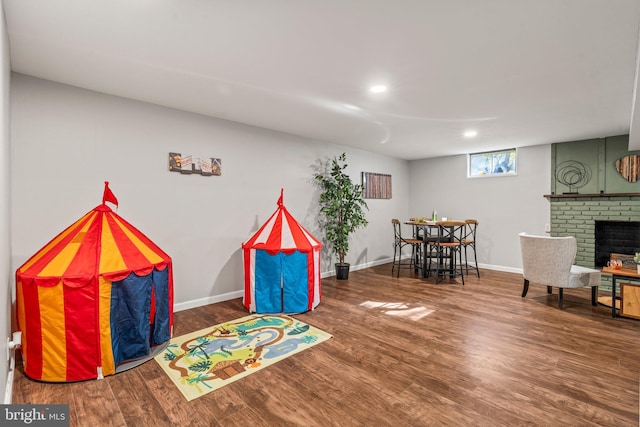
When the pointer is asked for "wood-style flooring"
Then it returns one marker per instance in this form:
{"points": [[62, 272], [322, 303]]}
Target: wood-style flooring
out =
{"points": [[404, 352]]}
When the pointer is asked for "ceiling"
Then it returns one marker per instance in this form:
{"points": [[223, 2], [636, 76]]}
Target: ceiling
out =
{"points": [[518, 72]]}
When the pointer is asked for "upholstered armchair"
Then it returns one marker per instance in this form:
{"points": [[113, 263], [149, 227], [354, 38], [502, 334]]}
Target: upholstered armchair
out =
{"points": [[549, 261]]}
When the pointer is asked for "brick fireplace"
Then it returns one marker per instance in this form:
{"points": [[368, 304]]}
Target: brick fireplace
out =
{"points": [[576, 215]]}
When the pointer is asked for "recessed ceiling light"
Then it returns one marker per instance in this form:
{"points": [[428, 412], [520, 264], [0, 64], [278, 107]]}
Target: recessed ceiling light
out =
{"points": [[378, 88], [470, 134]]}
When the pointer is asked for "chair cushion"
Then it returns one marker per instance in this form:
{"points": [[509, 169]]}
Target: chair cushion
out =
{"points": [[583, 277]]}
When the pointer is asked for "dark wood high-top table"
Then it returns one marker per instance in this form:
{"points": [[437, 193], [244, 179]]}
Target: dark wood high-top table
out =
{"points": [[619, 274], [426, 225]]}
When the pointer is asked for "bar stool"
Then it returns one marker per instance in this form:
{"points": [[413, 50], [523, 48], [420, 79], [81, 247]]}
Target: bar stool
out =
{"points": [[448, 249], [469, 241], [400, 242]]}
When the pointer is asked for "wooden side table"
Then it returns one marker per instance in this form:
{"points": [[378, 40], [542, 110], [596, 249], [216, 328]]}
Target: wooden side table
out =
{"points": [[630, 300], [629, 292]]}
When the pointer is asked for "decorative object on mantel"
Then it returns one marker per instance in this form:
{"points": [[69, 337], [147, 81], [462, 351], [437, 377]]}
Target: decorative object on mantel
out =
{"points": [[376, 185], [628, 166], [573, 174], [188, 164], [636, 258]]}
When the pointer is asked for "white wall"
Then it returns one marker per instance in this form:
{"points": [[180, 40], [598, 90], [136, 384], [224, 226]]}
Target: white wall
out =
{"points": [[6, 275], [66, 141], [504, 206]]}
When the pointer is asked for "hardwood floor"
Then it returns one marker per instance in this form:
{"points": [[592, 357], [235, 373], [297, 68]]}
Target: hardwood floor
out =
{"points": [[405, 352]]}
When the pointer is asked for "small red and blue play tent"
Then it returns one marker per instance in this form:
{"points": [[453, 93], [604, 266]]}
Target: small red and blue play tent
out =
{"points": [[97, 299], [281, 266]]}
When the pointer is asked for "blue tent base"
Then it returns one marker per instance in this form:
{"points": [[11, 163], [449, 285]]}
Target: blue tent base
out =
{"points": [[137, 362], [281, 282]]}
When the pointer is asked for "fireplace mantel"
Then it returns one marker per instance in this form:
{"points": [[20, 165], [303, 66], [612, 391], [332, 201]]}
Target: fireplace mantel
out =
{"points": [[580, 196]]}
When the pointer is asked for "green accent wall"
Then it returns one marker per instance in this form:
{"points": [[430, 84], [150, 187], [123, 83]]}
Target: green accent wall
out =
{"points": [[599, 156]]}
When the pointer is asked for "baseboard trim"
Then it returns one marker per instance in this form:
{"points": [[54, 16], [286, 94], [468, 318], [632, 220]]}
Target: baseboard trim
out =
{"points": [[332, 273], [208, 300], [501, 268], [8, 392]]}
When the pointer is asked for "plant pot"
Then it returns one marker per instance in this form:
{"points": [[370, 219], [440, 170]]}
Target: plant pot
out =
{"points": [[638, 268], [342, 271]]}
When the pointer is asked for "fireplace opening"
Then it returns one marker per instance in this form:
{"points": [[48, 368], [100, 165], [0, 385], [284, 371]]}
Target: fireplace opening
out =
{"points": [[619, 237]]}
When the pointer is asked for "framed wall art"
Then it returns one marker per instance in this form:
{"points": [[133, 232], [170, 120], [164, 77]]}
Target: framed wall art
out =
{"points": [[188, 164], [376, 185]]}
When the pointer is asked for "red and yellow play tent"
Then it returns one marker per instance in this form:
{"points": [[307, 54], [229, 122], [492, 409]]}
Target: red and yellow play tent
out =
{"points": [[281, 266], [97, 299]]}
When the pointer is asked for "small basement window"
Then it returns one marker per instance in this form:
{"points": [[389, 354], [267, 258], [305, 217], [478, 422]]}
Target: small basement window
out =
{"points": [[492, 163]]}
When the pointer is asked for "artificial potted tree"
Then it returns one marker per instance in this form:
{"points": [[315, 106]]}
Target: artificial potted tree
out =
{"points": [[342, 210]]}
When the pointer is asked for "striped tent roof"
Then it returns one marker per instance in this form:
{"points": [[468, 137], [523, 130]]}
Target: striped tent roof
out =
{"points": [[101, 243], [282, 233]]}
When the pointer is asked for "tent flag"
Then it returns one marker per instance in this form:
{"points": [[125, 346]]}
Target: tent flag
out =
{"points": [[108, 195], [281, 199], [281, 266]]}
